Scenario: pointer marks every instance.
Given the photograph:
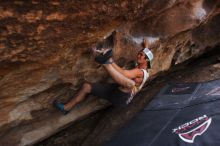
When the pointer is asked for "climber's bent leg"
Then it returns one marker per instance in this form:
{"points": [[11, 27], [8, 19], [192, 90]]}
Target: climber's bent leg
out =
{"points": [[119, 77]]}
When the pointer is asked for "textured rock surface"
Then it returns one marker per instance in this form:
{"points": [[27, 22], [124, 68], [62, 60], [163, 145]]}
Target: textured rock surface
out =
{"points": [[45, 52]]}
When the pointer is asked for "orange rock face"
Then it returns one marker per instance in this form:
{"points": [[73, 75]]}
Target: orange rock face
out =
{"points": [[46, 45]]}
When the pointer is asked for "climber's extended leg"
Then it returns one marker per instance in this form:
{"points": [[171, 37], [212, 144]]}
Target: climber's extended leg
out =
{"points": [[86, 89], [65, 108]]}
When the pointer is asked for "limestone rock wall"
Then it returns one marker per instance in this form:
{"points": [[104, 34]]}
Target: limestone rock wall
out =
{"points": [[45, 52]]}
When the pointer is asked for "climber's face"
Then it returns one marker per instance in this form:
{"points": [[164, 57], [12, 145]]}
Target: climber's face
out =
{"points": [[141, 57]]}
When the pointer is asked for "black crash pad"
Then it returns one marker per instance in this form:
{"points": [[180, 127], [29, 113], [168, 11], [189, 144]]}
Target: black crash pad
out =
{"points": [[182, 114]]}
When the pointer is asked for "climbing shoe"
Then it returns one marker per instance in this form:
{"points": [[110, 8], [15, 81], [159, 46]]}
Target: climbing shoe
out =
{"points": [[60, 107], [103, 58]]}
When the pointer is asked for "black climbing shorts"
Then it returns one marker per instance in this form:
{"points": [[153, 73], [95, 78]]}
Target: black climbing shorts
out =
{"points": [[110, 92]]}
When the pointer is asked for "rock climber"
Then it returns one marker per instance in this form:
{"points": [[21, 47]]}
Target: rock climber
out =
{"points": [[127, 82]]}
